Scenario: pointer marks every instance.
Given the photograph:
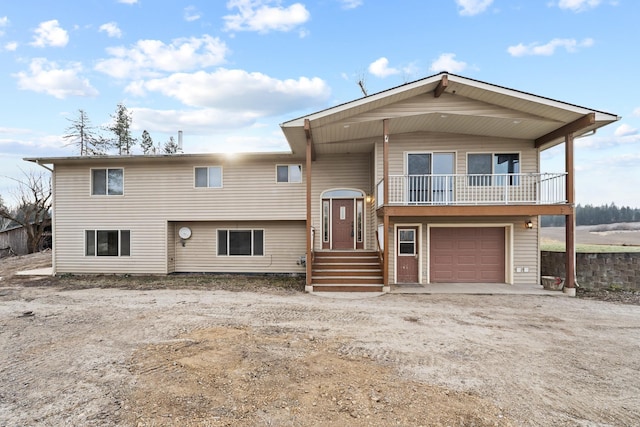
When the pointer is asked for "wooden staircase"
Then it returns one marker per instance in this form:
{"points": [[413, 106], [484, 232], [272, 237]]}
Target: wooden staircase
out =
{"points": [[348, 271]]}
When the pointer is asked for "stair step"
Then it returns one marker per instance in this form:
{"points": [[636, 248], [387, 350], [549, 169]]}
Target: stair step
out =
{"points": [[375, 280], [347, 288], [346, 272]]}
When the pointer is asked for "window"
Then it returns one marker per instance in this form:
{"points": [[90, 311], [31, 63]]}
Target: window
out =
{"points": [[430, 177], [107, 182], [107, 243], [240, 242], [483, 166], [325, 221], [406, 242], [289, 173], [210, 177]]}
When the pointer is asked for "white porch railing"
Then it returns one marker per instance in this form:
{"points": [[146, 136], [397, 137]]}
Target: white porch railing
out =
{"points": [[503, 189]]}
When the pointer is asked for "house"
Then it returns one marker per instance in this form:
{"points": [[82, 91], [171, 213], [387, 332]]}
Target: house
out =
{"points": [[433, 181], [14, 240]]}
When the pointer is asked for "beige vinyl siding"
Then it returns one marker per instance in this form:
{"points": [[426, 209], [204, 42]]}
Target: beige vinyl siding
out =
{"points": [[525, 244], [158, 193], [284, 244], [461, 145], [341, 171]]}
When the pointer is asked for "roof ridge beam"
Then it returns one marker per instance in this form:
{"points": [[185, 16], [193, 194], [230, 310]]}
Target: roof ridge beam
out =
{"points": [[442, 86]]}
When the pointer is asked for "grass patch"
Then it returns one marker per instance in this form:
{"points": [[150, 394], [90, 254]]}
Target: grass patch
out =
{"points": [[584, 248]]}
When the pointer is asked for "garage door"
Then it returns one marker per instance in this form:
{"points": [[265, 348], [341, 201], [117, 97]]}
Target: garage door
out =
{"points": [[467, 255]]}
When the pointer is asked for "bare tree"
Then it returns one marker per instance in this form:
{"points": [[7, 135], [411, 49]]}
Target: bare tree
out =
{"points": [[4, 222], [82, 134], [33, 207]]}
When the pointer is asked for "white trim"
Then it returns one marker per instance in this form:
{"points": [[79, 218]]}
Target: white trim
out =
{"points": [[419, 247], [252, 231], [425, 84], [207, 168], [288, 165], [106, 183], [355, 216], [509, 248]]}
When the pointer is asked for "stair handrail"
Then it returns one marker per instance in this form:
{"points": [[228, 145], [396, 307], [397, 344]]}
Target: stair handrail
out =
{"points": [[380, 252]]}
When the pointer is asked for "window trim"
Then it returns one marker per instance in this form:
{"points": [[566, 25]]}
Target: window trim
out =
{"points": [[208, 168], [227, 249], [94, 232], [289, 166], [106, 169]]}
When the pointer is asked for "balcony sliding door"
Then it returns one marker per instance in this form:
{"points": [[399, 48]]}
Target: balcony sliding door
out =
{"points": [[430, 177]]}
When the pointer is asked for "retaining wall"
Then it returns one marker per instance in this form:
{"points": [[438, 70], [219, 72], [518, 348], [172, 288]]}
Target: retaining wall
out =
{"points": [[597, 270]]}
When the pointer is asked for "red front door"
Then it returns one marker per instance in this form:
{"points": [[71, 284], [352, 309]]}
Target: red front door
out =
{"points": [[407, 255], [342, 227]]}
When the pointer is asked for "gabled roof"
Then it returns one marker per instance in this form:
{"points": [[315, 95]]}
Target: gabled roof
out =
{"points": [[446, 103]]}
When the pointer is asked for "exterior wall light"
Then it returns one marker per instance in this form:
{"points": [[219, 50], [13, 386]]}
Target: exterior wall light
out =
{"points": [[528, 225]]}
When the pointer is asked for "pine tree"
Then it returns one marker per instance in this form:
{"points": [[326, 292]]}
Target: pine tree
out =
{"points": [[146, 143], [171, 147], [121, 128]]}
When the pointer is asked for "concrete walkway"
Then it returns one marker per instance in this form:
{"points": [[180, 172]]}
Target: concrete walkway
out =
{"points": [[47, 271], [473, 289]]}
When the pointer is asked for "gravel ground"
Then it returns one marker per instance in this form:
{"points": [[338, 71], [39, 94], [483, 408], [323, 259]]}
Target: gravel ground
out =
{"points": [[218, 351]]}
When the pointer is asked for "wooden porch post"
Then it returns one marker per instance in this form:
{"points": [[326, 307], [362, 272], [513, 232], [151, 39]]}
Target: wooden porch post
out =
{"points": [[570, 219], [385, 202], [309, 254]]}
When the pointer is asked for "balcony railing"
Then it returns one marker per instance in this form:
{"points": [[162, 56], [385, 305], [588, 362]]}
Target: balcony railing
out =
{"points": [[503, 189]]}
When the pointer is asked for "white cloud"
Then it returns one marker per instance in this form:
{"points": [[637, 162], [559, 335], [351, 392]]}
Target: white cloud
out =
{"points": [[128, 1], [578, 5], [49, 33], [112, 29], [447, 62], [625, 130], [258, 15], [351, 4], [191, 14], [570, 45], [636, 112], [255, 94], [200, 121], [46, 77], [4, 21], [472, 7], [149, 57], [623, 137], [11, 46], [380, 68]]}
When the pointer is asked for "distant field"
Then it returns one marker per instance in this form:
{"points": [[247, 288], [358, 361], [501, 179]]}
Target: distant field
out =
{"points": [[622, 237]]}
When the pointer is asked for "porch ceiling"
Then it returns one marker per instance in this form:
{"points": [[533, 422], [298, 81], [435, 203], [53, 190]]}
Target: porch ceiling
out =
{"points": [[465, 107]]}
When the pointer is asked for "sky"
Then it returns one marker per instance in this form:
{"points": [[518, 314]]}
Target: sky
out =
{"points": [[228, 73]]}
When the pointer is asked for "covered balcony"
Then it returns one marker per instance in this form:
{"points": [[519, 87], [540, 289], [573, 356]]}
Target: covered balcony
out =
{"points": [[478, 189]]}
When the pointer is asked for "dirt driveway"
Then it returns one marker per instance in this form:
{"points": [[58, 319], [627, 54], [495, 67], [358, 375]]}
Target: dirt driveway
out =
{"points": [[215, 357]]}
